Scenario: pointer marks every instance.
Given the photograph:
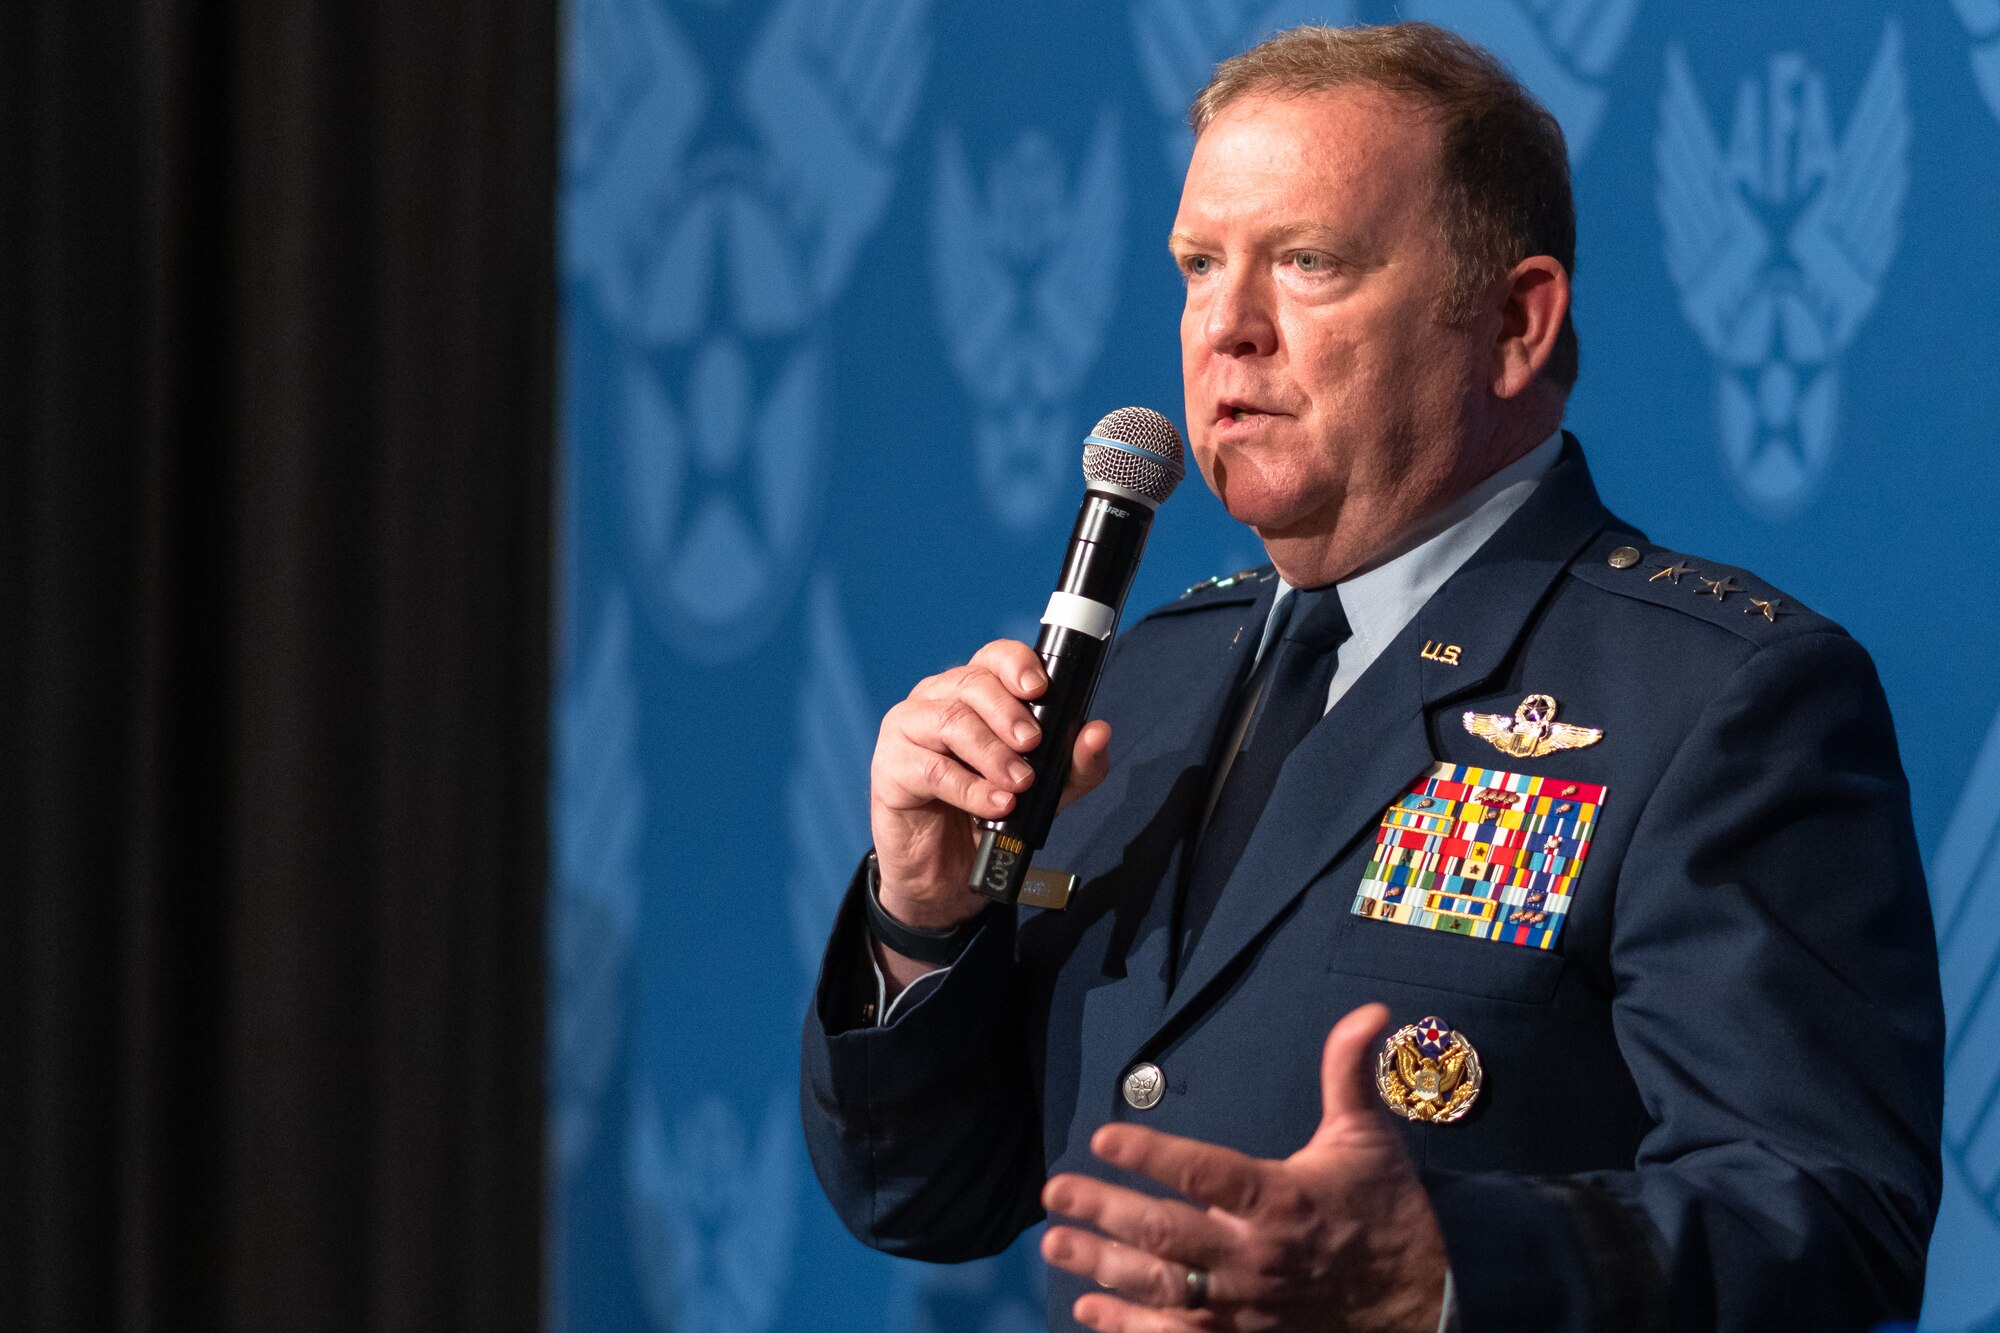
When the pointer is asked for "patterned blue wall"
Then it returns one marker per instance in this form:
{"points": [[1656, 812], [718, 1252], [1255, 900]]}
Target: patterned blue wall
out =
{"points": [[845, 281]]}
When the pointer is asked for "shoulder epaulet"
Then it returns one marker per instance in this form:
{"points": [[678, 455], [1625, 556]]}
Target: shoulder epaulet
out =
{"points": [[1722, 595], [1245, 585], [1222, 582]]}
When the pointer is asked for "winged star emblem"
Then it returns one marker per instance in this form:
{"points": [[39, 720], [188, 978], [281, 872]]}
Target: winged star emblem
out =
{"points": [[712, 1212], [1533, 730], [1180, 42], [1562, 49], [1025, 281], [1982, 23], [711, 217], [1778, 243]]}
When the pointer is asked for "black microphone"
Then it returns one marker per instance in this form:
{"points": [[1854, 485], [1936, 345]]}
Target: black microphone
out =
{"points": [[1132, 462]]}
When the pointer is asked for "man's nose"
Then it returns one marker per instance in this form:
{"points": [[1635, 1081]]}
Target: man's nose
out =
{"points": [[1239, 319]]}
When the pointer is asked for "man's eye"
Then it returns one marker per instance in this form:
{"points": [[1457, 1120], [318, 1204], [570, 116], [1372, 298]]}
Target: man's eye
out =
{"points": [[1196, 266], [1310, 261]]}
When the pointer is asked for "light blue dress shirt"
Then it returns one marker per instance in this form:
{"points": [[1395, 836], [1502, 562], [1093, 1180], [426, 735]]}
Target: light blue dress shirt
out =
{"points": [[1386, 595]]}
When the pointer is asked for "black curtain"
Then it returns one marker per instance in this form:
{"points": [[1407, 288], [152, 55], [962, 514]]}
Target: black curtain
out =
{"points": [[276, 295]]}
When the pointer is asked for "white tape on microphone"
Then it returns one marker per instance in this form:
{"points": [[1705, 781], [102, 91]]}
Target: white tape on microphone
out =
{"points": [[1081, 614]]}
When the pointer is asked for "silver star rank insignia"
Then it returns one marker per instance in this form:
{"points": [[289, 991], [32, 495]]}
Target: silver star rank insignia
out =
{"points": [[1672, 573], [1759, 607]]}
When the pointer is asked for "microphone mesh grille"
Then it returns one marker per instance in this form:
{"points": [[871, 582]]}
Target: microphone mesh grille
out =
{"points": [[1154, 471]]}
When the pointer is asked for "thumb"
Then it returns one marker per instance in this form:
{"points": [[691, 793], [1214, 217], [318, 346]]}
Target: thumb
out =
{"points": [[1347, 1066], [1089, 761]]}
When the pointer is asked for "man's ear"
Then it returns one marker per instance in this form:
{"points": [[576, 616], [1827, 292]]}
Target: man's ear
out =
{"points": [[1534, 304]]}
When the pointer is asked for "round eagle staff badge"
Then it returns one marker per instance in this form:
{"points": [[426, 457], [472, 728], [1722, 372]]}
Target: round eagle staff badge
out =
{"points": [[1428, 1073]]}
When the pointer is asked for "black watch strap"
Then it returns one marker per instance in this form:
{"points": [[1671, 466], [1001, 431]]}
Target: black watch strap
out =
{"points": [[940, 948]]}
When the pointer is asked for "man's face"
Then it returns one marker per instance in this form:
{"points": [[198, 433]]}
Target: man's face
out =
{"points": [[1320, 384]]}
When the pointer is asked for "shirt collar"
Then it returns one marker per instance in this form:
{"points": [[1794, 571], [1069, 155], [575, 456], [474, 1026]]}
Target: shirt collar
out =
{"points": [[1384, 596]]}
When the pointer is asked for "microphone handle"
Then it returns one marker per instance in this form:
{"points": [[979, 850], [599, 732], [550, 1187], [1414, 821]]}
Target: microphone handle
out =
{"points": [[1104, 550]]}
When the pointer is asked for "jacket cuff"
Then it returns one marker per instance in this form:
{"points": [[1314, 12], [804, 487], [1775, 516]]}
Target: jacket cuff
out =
{"points": [[1551, 1254]]}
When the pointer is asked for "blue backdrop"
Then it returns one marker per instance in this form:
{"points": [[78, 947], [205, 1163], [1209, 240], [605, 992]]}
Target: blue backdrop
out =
{"points": [[844, 283]]}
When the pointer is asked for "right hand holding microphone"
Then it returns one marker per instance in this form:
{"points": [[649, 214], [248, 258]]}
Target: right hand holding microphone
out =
{"points": [[951, 797], [950, 753]]}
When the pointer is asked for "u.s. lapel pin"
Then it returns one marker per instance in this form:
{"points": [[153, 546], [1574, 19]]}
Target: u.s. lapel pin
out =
{"points": [[1533, 730]]}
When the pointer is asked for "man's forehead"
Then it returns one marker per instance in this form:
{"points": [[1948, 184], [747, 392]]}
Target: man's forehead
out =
{"points": [[1336, 160], [1323, 127]]}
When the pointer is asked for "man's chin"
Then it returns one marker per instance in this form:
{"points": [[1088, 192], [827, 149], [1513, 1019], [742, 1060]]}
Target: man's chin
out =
{"points": [[1273, 516], [1277, 498]]}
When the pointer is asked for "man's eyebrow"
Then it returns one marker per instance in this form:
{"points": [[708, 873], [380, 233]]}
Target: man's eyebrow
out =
{"points": [[1293, 233], [1313, 233]]}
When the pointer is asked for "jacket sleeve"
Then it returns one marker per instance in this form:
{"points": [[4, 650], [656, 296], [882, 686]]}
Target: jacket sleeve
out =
{"points": [[1777, 1003], [925, 1131]]}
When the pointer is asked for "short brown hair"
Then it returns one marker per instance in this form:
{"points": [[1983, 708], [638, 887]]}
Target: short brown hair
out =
{"points": [[1503, 169]]}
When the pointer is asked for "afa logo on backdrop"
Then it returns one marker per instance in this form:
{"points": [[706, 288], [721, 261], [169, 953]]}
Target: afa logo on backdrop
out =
{"points": [[1180, 42], [1562, 49], [1982, 22], [1025, 272], [712, 221], [1778, 239], [712, 1212]]}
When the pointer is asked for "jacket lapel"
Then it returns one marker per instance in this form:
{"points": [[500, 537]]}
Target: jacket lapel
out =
{"points": [[1337, 782], [1484, 607], [1131, 860]]}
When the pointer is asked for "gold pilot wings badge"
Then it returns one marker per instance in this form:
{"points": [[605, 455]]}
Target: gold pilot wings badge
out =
{"points": [[1533, 730]]}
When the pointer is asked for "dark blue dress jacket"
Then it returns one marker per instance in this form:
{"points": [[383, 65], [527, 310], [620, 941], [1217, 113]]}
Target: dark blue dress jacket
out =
{"points": [[1713, 1104]]}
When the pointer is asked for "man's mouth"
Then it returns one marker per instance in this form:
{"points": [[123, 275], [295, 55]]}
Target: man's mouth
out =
{"points": [[1240, 412]]}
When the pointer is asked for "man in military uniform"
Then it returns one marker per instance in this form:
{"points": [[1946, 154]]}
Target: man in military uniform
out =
{"points": [[1612, 842]]}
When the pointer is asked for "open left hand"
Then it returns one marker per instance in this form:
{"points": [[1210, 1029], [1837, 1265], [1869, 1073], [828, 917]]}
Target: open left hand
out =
{"points": [[1338, 1235]]}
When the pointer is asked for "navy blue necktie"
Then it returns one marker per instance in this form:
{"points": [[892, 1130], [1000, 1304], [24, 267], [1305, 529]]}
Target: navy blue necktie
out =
{"points": [[1293, 700]]}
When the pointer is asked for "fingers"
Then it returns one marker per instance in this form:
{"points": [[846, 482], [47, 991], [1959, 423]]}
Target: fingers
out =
{"points": [[1347, 1065], [908, 774], [1089, 761], [1108, 1314], [970, 714], [1205, 1172], [1125, 1269], [1015, 663], [960, 736], [1164, 1228]]}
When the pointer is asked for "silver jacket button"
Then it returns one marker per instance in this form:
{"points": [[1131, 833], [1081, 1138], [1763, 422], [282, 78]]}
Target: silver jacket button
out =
{"points": [[1144, 1086]]}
